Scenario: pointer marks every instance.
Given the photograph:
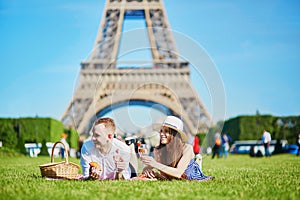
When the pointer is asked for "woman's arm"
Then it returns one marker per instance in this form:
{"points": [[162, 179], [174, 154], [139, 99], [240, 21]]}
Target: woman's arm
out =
{"points": [[187, 156]]}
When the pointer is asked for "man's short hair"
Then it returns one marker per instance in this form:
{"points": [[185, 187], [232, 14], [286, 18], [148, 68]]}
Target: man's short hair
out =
{"points": [[107, 122]]}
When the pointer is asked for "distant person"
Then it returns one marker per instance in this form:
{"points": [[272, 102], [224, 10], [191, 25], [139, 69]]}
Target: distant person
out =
{"points": [[225, 140], [62, 148], [252, 153], [217, 145], [278, 147], [266, 139], [196, 145], [173, 157], [259, 153], [298, 144]]}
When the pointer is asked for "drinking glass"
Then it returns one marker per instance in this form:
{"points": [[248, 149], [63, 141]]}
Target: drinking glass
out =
{"points": [[117, 158], [142, 149]]}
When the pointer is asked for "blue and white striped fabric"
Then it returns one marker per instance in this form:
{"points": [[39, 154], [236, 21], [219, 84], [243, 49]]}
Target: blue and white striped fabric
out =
{"points": [[193, 172]]}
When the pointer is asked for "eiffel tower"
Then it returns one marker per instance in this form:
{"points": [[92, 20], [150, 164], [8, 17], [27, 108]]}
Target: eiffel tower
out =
{"points": [[104, 86]]}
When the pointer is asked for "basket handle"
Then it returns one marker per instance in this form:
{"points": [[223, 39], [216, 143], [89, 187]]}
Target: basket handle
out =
{"points": [[66, 152]]}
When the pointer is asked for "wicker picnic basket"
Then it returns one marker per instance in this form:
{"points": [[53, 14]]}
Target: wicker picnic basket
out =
{"points": [[59, 170]]}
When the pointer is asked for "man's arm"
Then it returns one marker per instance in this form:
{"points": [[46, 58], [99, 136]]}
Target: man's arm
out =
{"points": [[123, 165], [84, 161]]}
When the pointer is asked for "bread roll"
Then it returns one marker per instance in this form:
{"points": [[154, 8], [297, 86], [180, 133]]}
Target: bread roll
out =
{"points": [[95, 164]]}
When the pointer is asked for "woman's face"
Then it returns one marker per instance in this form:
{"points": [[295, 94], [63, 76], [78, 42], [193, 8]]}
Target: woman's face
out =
{"points": [[165, 135]]}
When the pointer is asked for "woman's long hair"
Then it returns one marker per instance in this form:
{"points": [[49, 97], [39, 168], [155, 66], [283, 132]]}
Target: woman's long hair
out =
{"points": [[170, 154]]}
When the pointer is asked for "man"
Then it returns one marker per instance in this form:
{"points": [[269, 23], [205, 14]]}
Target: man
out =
{"points": [[66, 145], [266, 139], [111, 154], [225, 140], [217, 145], [298, 144]]}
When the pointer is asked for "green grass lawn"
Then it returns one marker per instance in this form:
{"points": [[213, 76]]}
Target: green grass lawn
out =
{"points": [[237, 177]]}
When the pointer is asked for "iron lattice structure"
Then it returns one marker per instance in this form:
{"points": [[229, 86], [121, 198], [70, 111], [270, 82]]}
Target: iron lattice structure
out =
{"points": [[167, 82]]}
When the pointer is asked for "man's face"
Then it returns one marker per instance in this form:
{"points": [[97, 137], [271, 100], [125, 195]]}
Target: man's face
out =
{"points": [[101, 135]]}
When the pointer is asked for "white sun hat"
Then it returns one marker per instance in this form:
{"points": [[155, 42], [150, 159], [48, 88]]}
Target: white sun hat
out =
{"points": [[176, 124]]}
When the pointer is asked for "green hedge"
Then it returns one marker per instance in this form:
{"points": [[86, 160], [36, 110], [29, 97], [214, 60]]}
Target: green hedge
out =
{"points": [[201, 137], [251, 127], [14, 133], [73, 137], [8, 133]]}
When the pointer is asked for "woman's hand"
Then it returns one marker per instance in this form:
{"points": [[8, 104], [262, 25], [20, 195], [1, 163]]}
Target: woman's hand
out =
{"points": [[148, 172]]}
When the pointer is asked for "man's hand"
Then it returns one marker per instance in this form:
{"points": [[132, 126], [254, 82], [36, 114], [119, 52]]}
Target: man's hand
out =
{"points": [[95, 173], [120, 165]]}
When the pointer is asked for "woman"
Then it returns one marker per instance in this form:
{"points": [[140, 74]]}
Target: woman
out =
{"points": [[174, 159]]}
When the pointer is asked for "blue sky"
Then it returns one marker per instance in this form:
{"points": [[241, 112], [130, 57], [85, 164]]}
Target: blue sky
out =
{"points": [[254, 45]]}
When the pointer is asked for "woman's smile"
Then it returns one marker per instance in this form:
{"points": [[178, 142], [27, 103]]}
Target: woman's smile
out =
{"points": [[165, 136]]}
